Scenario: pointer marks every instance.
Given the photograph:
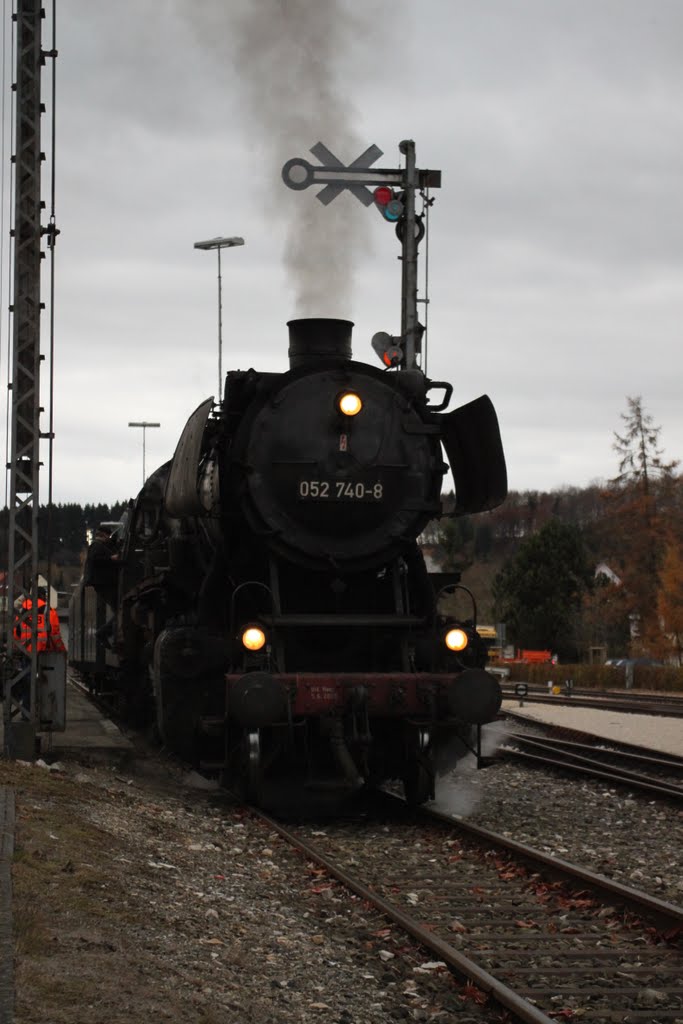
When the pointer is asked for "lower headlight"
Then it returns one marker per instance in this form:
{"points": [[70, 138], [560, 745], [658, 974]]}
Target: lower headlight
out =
{"points": [[456, 639], [253, 638]]}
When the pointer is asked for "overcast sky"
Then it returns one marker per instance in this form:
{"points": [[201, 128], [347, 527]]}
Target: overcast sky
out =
{"points": [[555, 246]]}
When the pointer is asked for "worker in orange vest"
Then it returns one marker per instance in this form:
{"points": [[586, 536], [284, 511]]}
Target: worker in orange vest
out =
{"points": [[49, 635]]}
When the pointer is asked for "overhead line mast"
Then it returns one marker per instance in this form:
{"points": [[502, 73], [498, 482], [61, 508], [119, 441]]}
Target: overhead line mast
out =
{"points": [[22, 717]]}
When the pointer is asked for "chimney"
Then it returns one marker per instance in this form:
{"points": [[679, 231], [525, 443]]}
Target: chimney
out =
{"points": [[319, 340]]}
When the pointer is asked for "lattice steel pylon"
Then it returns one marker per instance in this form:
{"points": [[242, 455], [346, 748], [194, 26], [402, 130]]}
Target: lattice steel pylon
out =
{"points": [[21, 711]]}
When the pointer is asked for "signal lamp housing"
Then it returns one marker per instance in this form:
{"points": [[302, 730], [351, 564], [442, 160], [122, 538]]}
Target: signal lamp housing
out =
{"points": [[387, 348], [388, 203]]}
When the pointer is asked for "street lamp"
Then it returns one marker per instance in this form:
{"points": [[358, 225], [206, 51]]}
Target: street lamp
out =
{"points": [[218, 244], [144, 424]]}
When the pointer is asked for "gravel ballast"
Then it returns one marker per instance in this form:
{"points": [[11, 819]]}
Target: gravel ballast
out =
{"points": [[138, 897]]}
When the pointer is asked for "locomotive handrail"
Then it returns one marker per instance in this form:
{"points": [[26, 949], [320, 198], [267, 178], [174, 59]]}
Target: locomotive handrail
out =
{"points": [[448, 392], [238, 590], [451, 588]]}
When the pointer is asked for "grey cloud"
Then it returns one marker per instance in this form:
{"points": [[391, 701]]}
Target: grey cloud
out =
{"points": [[555, 252]]}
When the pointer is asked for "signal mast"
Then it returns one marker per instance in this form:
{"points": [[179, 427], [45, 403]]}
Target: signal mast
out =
{"points": [[394, 196]]}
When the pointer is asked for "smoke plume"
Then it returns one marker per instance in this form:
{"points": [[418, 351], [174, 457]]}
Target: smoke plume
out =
{"points": [[457, 789], [291, 59]]}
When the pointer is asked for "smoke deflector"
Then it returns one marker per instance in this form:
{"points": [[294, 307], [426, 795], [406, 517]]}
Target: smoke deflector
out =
{"points": [[182, 496], [474, 450]]}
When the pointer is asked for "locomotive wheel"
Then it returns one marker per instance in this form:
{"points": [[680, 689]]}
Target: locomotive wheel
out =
{"points": [[137, 702], [178, 719], [252, 766], [418, 777], [418, 783], [244, 768]]}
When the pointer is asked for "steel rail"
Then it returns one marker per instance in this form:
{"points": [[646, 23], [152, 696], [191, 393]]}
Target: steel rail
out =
{"points": [[604, 704], [458, 962], [631, 695], [580, 753], [667, 918], [607, 749], [553, 729], [662, 915], [632, 780]]}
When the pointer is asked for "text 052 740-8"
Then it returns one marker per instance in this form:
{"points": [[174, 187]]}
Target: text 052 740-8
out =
{"points": [[340, 490]]}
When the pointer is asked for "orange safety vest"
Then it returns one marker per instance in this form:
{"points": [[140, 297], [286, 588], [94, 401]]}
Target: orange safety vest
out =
{"points": [[47, 640]]}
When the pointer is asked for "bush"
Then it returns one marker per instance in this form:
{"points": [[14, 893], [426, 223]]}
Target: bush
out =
{"points": [[667, 679]]}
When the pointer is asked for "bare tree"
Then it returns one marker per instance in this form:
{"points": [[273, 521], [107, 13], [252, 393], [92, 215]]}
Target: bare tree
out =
{"points": [[640, 458]]}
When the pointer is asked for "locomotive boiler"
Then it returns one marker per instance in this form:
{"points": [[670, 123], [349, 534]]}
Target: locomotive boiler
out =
{"points": [[273, 611]]}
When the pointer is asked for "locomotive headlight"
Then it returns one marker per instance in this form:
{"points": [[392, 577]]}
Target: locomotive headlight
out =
{"points": [[349, 403], [253, 638], [456, 639]]}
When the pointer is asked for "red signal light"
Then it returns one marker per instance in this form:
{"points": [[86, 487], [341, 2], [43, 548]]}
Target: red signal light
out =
{"points": [[392, 356], [387, 203], [383, 195]]}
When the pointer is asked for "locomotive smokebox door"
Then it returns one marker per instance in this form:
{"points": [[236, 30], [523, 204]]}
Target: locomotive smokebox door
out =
{"points": [[358, 487], [474, 450]]}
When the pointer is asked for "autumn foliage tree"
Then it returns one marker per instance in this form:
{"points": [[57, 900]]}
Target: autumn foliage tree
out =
{"points": [[638, 508], [604, 620], [670, 597]]}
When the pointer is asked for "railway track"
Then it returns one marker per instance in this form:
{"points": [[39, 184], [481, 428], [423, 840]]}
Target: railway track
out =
{"points": [[538, 937], [650, 773], [643, 704]]}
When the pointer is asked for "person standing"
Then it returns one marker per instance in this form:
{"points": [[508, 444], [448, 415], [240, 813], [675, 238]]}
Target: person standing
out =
{"points": [[101, 572], [102, 565], [49, 636]]}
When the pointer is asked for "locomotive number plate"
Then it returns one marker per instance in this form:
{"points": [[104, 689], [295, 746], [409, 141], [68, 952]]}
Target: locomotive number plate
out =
{"points": [[340, 490]]}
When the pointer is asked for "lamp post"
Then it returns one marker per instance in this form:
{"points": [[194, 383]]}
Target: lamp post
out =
{"points": [[144, 424], [218, 244]]}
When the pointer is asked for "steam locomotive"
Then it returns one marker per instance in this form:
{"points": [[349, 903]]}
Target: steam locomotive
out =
{"points": [[273, 611]]}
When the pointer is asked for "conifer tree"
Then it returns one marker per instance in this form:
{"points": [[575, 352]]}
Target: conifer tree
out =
{"points": [[539, 591], [640, 458], [636, 507]]}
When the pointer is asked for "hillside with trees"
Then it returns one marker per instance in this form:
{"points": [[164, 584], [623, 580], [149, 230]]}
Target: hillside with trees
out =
{"points": [[62, 537], [583, 567]]}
